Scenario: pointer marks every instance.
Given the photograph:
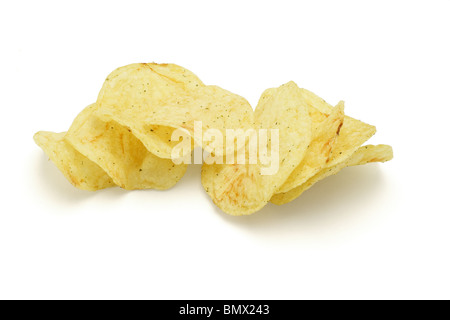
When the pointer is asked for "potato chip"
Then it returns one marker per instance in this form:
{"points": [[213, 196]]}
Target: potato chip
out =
{"points": [[325, 134], [365, 154], [142, 97], [241, 189], [371, 153], [79, 170], [120, 154], [352, 134]]}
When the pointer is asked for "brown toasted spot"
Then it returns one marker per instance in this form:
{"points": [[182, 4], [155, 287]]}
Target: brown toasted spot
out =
{"points": [[121, 143], [71, 177], [96, 138], [161, 75], [339, 128]]}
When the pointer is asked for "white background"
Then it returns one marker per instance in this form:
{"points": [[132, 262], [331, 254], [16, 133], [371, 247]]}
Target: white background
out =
{"points": [[378, 231]]}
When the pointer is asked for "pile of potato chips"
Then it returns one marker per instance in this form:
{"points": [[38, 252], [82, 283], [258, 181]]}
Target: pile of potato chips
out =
{"points": [[125, 137]]}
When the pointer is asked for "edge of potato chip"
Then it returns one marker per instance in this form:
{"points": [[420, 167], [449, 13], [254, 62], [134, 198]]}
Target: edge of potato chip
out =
{"points": [[67, 159], [364, 155]]}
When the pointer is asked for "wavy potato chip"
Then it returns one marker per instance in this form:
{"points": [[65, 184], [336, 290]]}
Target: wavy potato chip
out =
{"points": [[120, 154], [241, 189], [79, 170], [352, 134], [133, 93], [324, 136], [365, 154], [143, 97]]}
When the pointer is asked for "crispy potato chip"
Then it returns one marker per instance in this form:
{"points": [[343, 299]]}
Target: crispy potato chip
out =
{"points": [[120, 154], [144, 96], [371, 153], [325, 134], [352, 134], [241, 189], [79, 170], [134, 92], [365, 154]]}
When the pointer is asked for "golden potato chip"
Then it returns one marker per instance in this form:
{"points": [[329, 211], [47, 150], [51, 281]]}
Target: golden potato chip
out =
{"points": [[371, 153], [142, 97], [79, 170], [241, 189], [120, 154], [134, 92], [324, 136], [365, 154], [352, 134]]}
